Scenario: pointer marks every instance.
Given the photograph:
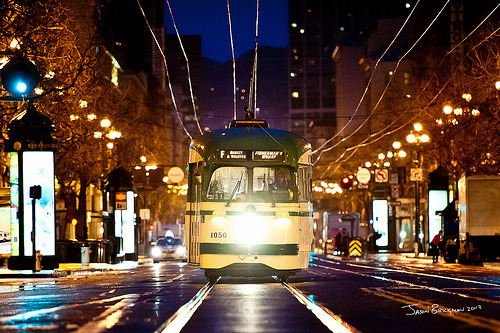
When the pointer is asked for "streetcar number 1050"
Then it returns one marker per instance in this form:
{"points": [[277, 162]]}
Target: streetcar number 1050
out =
{"points": [[218, 234]]}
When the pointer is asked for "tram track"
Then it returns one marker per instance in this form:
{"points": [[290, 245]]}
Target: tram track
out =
{"points": [[413, 285], [398, 293], [180, 318]]}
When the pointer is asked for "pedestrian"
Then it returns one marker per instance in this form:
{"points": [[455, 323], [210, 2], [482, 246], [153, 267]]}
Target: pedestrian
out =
{"points": [[434, 246], [338, 242], [345, 242]]}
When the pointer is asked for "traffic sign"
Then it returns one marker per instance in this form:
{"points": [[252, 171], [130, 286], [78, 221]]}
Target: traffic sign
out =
{"points": [[381, 175], [175, 175], [355, 248], [121, 200], [394, 191], [416, 174], [363, 175]]}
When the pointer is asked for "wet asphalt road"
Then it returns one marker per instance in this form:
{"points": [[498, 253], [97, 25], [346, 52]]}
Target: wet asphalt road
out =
{"points": [[379, 294]]}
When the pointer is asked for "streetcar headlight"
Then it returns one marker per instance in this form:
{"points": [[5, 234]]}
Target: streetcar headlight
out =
{"points": [[249, 230]]}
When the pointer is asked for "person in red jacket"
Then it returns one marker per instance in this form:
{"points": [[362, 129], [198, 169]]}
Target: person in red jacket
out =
{"points": [[434, 246]]}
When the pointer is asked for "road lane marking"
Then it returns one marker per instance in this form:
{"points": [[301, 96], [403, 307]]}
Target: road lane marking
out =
{"points": [[108, 318], [427, 307], [37, 313], [327, 317], [179, 319]]}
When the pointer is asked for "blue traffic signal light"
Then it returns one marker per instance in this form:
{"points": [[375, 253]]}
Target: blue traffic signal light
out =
{"points": [[20, 77]]}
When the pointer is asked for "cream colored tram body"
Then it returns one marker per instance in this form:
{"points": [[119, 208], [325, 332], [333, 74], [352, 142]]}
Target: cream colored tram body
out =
{"points": [[249, 210]]}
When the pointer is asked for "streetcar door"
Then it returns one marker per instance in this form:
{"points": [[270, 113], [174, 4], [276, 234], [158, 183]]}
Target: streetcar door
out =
{"points": [[194, 220]]}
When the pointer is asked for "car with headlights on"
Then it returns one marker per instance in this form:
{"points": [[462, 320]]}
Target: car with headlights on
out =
{"points": [[169, 248]]}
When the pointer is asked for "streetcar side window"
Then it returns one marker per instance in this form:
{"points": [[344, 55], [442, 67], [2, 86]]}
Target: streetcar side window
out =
{"points": [[305, 183], [228, 183], [194, 172]]}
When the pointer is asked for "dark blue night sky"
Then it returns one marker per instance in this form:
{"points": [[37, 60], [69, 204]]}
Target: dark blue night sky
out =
{"points": [[210, 20]]}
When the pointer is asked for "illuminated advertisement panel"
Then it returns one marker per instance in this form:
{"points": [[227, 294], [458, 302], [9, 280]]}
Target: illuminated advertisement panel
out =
{"points": [[128, 225], [14, 203], [381, 221], [124, 224], [38, 169], [438, 200]]}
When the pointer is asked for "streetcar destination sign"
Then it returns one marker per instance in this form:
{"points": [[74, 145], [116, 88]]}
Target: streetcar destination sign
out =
{"points": [[251, 155]]}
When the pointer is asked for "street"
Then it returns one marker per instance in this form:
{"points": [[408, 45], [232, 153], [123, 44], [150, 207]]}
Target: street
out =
{"points": [[382, 293]]}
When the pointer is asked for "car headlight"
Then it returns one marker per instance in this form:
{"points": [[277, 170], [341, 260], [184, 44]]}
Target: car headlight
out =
{"points": [[156, 252], [180, 250]]}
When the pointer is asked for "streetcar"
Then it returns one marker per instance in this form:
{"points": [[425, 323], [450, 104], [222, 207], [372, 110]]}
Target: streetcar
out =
{"points": [[249, 210]]}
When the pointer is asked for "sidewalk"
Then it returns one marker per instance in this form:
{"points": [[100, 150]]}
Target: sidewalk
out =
{"points": [[66, 269]]}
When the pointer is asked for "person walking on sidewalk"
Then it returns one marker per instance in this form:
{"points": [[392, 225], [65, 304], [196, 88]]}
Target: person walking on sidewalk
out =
{"points": [[434, 246]]}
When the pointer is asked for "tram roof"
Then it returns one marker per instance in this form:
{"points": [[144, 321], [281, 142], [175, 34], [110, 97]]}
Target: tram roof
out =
{"points": [[251, 138]]}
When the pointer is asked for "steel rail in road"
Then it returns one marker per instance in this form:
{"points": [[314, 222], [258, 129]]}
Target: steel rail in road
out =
{"points": [[180, 318], [417, 306], [327, 317], [413, 284]]}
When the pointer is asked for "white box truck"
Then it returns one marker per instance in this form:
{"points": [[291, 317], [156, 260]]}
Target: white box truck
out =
{"points": [[479, 218]]}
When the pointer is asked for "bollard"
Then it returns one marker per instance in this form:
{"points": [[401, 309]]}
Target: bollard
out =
{"points": [[38, 258], [85, 255]]}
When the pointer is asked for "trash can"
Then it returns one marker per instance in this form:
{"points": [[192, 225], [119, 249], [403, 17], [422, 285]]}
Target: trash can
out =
{"points": [[85, 255], [38, 258]]}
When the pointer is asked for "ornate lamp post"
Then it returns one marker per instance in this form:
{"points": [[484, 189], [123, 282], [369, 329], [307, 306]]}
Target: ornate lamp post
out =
{"points": [[417, 137]]}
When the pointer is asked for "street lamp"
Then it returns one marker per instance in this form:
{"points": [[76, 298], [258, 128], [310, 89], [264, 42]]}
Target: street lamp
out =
{"points": [[417, 137]]}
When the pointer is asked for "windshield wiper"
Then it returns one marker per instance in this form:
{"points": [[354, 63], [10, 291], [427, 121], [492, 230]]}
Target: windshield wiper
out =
{"points": [[236, 188], [270, 193]]}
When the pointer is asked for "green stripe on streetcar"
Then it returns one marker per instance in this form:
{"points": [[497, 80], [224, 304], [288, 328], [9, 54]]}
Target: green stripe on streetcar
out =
{"points": [[259, 249]]}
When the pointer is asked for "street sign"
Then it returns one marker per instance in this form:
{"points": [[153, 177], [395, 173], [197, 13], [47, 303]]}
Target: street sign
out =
{"points": [[394, 191], [144, 214], [381, 175], [121, 200], [175, 175], [363, 176], [416, 174]]}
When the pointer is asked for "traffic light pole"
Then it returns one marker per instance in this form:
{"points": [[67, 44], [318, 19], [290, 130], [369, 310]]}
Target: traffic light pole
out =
{"points": [[35, 193], [33, 238]]}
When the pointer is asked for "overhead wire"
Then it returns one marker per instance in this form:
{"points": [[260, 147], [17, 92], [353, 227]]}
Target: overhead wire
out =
{"points": [[369, 81], [166, 71], [366, 142], [234, 60], [187, 67], [386, 86]]}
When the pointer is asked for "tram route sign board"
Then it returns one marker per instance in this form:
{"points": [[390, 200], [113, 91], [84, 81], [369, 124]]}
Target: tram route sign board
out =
{"points": [[268, 155], [233, 155], [249, 155]]}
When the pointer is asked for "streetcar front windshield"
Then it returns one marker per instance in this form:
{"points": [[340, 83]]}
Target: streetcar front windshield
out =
{"points": [[228, 183], [273, 184], [268, 184]]}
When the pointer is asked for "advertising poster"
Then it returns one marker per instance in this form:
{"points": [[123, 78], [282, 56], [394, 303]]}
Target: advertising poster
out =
{"points": [[14, 203], [38, 169]]}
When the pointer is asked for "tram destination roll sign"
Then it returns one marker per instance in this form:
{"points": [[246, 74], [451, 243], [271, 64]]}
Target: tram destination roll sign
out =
{"points": [[251, 155]]}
